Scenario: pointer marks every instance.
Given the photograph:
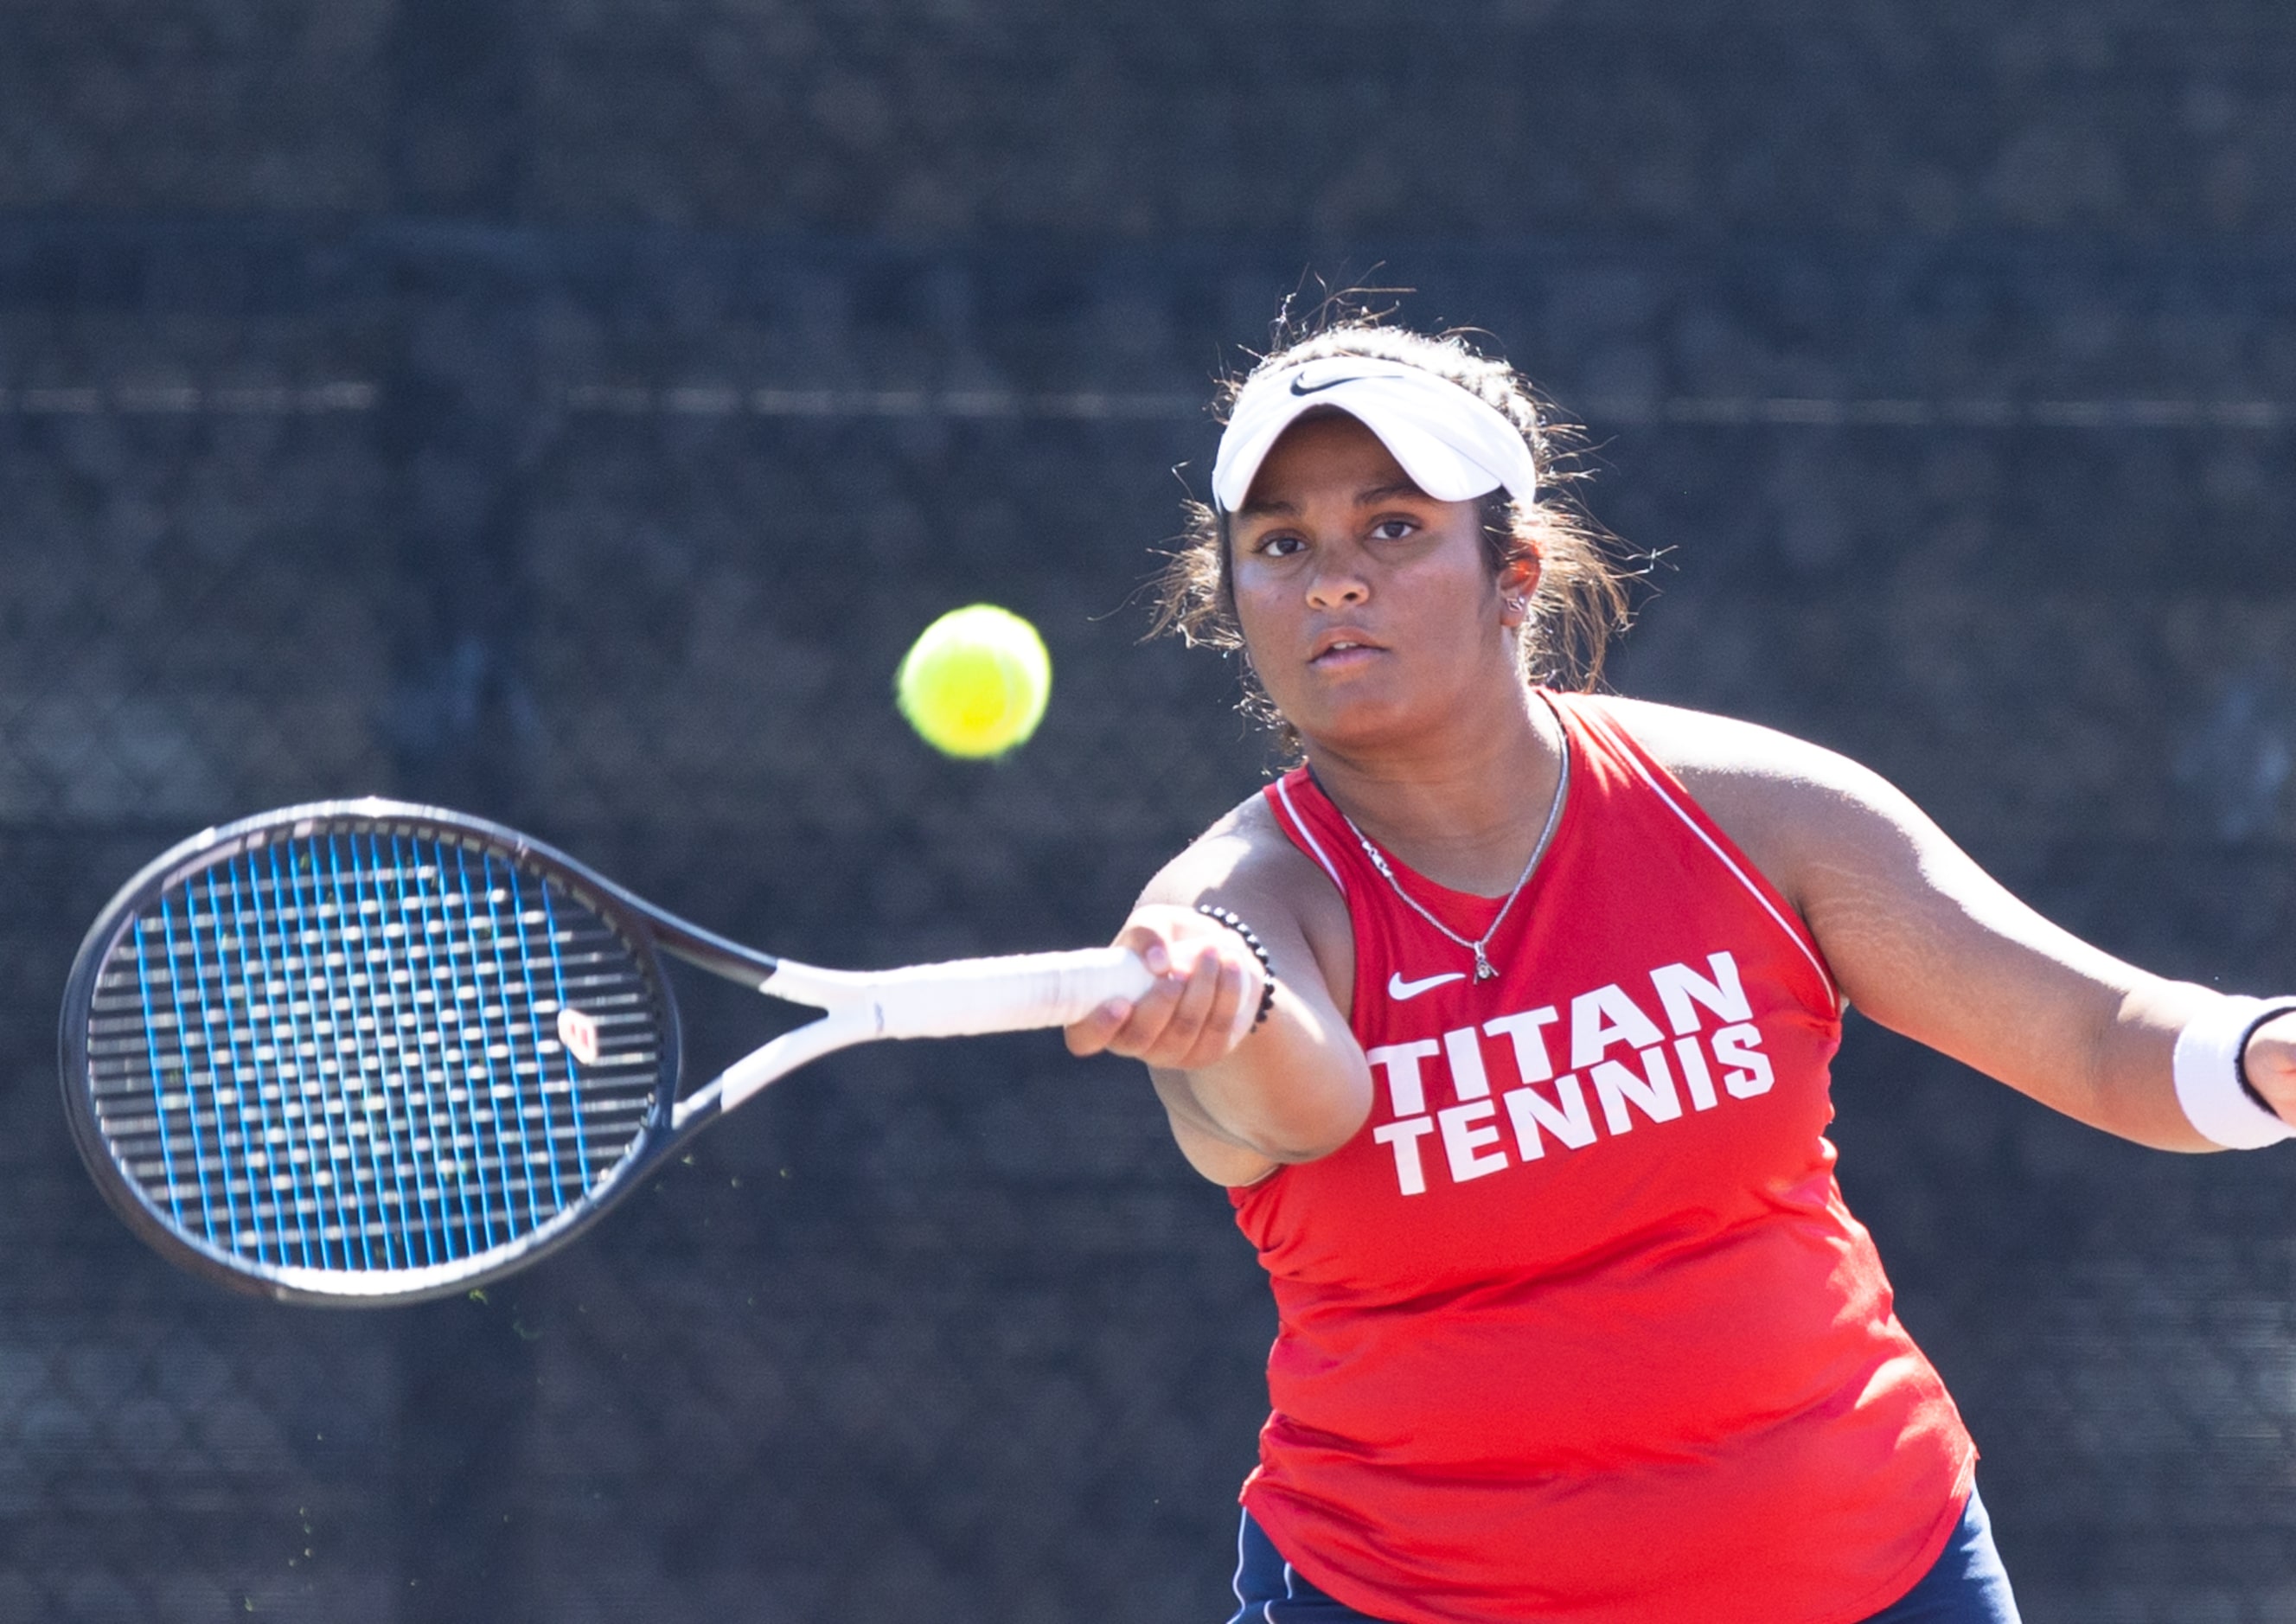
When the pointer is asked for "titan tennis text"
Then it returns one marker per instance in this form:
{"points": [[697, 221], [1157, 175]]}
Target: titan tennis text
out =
{"points": [[1648, 1077]]}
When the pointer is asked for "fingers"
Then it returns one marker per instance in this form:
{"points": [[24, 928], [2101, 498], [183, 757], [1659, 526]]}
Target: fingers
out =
{"points": [[1202, 1006], [1119, 1018], [1202, 1025], [1097, 1030], [1185, 1022]]}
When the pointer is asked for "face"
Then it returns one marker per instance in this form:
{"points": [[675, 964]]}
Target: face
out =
{"points": [[1370, 609]]}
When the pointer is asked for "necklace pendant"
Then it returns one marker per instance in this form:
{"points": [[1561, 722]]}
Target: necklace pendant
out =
{"points": [[1483, 971]]}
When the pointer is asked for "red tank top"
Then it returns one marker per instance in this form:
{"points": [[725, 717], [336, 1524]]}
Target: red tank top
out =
{"points": [[1578, 1326]]}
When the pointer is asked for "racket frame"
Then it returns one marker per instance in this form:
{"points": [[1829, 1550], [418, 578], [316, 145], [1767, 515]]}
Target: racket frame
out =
{"points": [[966, 997], [647, 930]]}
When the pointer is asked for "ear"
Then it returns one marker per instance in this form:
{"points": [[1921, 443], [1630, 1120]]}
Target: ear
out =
{"points": [[1517, 579]]}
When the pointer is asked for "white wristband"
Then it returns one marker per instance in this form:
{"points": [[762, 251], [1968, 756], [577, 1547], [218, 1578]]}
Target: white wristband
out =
{"points": [[2209, 1086]]}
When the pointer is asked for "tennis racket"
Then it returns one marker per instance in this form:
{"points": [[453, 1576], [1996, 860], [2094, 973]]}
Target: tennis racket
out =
{"points": [[366, 1053]]}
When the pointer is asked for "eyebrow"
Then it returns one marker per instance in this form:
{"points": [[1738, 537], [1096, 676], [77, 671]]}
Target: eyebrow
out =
{"points": [[1367, 497]]}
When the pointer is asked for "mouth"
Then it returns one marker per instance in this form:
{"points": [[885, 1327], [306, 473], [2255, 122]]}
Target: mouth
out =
{"points": [[1342, 648]]}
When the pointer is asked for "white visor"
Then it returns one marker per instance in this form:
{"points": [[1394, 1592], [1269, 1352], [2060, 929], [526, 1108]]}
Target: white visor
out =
{"points": [[1453, 445]]}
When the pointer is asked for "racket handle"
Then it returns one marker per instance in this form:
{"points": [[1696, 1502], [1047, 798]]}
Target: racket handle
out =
{"points": [[965, 996], [957, 999], [1018, 994]]}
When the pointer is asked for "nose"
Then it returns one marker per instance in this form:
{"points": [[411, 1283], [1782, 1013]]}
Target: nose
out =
{"points": [[1336, 588]]}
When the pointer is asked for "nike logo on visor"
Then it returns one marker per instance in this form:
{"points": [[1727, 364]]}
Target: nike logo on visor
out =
{"points": [[1400, 990], [1298, 387]]}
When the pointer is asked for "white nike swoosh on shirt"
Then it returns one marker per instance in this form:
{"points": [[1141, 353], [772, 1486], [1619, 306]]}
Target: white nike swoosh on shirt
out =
{"points": [[1399, 990]]}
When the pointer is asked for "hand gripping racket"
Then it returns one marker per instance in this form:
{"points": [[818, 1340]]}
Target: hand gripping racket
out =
{"points": [[364, 1052]]}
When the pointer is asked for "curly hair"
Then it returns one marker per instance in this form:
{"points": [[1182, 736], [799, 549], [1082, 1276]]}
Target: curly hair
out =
{"points": [[1581, 600]]}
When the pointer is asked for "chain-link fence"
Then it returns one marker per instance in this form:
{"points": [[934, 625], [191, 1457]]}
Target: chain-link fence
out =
{"points": [[616, 532], [952, 1331]]}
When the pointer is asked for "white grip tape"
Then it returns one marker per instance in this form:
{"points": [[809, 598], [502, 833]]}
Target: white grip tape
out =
{"points": [[954, 1000], [965, 996], [1005, 995], [2208, 1075]]}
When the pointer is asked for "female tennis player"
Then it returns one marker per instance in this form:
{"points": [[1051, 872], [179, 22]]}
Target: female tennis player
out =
{"points": [[1505, 1019]]}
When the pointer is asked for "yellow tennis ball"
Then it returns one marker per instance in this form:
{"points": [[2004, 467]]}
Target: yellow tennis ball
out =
{"points": [[975, 682]]}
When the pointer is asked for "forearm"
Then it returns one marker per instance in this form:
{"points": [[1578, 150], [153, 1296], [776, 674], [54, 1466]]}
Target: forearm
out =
{"points": [[2125, 1081], [1948, 956], [1297, 1088], [1923, 941], [1240, 912], [2028, 1005]]}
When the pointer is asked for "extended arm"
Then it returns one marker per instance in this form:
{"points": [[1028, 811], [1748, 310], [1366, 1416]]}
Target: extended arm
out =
{"points": [[1929, 945], [1241, 1100]]}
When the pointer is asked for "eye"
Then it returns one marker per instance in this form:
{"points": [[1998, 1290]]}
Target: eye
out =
{"points": [[1277, 544], [1393, 529]]}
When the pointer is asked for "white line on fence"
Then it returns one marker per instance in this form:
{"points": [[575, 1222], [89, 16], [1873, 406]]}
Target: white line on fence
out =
{"points": [[1724, 411], [162, 399], [709, 400], [717, 400]]}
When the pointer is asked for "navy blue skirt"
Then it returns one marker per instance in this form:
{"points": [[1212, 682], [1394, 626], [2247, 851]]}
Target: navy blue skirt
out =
{"points": [[1966, 1584]]}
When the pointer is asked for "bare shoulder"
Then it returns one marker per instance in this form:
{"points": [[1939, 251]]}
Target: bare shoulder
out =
{"points": [[1786, 802], [1244, 846], [1698, 744], [1246, 862]]}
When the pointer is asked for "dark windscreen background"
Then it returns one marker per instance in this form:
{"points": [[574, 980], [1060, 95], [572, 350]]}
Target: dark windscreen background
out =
{"points": [[569, 412]]}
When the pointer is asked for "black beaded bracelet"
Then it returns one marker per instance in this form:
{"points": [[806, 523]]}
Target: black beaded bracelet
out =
{"points": [[2239, 1051], [1259, 951]]}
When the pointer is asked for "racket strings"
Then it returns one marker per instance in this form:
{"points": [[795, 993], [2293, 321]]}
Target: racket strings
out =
{"points": [[344, 1052]]}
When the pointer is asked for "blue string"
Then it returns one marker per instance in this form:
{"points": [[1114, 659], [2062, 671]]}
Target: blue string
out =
{"points": [[324, 1027], [510, 1038], [159, 1087], [249, 1162], [485, 1037], [327, 1175], [482, 1139], [444, 1149], [439, 1236], [316, 1140], [400, 1228], [534, 1030], [191, 1111], [351, 1121], [573, 1082], [294, 1196], [414, 1218], [298, 904], [207, 1055]]}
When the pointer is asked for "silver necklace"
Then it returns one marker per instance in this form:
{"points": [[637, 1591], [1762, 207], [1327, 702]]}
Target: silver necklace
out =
{"points": [[1483, 970]]}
